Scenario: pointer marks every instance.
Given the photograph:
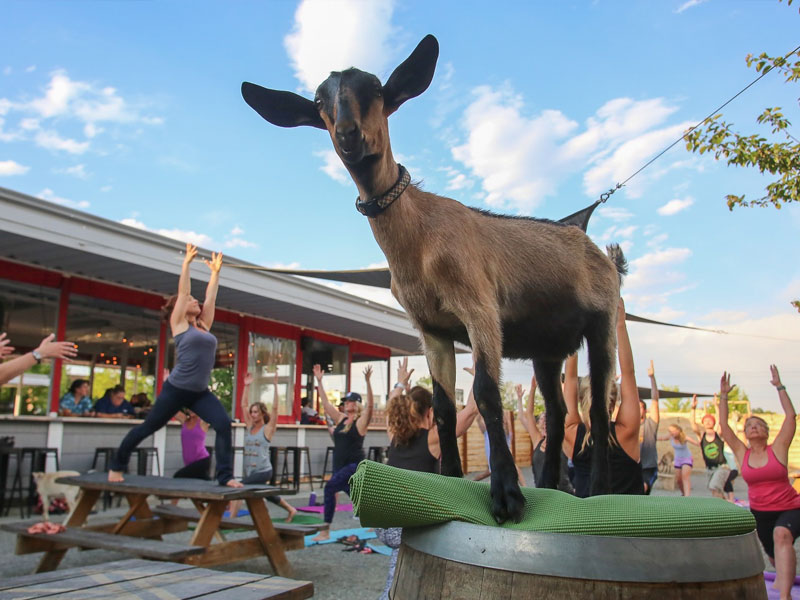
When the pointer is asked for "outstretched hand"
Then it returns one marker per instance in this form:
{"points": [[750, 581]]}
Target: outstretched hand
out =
{"points": [[650, 370], [5, 349], [368, 373], [403, 374], [318, 374], [63, 350], [725, 384], [470, 370], [776, 377], [520, 392], [694, 401], [215, 264], [191, 252], [248, 378]]}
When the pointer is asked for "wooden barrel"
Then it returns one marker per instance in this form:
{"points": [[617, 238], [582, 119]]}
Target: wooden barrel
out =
{"points": [[462, 561]]}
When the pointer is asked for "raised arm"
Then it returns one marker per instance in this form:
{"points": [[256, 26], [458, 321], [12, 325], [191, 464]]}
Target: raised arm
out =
{"points": [[403, 379], [573, 418], [655, 413], [693, 415], [209, 306], [177, 320], [245, 406], [46, 349], [464, 418], [366, 416], [629, 415], [526, 414], [269, 430], [728, 434], [780, 446], [330, 409]]}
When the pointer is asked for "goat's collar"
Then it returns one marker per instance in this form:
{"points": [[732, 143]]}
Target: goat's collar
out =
{"points": [[377, 204]]}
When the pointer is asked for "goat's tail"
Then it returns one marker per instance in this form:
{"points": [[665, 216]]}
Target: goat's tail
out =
{"points": [[618, 258]]}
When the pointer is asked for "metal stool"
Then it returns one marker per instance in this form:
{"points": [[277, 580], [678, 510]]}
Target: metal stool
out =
{"points": [[297, 454], [328, 456], [6, 454], [38, 463], [143, 459], [107, 454]]}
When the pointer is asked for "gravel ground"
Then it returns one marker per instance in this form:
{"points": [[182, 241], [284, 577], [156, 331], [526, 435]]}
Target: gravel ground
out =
{"points": [[337, 575]]}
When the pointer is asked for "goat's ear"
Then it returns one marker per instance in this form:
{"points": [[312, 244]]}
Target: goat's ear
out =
{"points": [[283, 109], [413, 76]]}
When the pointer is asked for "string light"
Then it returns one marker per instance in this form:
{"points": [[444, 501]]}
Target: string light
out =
{"points": [[98, 334]]}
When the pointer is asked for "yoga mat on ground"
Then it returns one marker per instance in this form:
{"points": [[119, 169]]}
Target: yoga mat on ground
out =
{"points": [[320, 508], [336, 534], [772, 593], [384, 496]]}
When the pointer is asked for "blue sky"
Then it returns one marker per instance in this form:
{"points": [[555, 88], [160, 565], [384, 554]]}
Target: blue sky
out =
{"points": [[132, 111]]}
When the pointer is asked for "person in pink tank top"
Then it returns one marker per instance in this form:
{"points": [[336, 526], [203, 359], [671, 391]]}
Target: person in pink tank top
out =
{"points": [[775, 504]]}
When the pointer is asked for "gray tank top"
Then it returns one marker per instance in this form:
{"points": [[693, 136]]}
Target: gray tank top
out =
{"points": [[256, 452], [197, 352]]}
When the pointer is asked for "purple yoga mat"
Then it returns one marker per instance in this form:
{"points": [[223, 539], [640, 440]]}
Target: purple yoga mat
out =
{"points": [[772, 594], [321, 509]]}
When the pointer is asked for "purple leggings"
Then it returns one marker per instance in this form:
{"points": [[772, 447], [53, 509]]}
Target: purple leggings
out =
{"points": [[339, 482]]}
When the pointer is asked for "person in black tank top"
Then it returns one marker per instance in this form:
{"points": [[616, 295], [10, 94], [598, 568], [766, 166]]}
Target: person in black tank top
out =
{"points": [[414, 440], [348, 441], [624, 464], [713, 450]]}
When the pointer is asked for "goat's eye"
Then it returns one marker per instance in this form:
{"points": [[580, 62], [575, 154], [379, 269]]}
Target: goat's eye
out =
{"points": [[318, 103], [378, 91]]}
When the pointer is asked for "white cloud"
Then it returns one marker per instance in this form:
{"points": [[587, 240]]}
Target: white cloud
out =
{"points": [[237, 231], [653, 277], [192, 237], [332, 35], [656, 241], [11, 167], [47, 194], [614, 213], [689, 4], [50, 140], [238, 242], [333, 167], [78, 171], [675, 206]]}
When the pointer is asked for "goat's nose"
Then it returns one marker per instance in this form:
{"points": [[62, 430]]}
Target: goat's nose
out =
{"points": [[345, 131]]}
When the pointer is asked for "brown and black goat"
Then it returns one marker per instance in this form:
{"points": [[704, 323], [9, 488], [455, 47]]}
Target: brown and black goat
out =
{"points": [[513, 287]]}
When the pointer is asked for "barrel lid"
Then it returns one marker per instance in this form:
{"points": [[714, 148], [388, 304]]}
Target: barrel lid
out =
{"points": [[650, 560]]}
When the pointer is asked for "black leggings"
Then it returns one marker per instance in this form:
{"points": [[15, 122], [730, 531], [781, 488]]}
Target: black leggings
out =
{"points": [[199, 469], [259, 477], [768, 520], [171, 399]]}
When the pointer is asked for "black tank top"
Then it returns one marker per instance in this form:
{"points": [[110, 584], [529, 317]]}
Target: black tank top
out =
{"points": [[415, 455], [713, 452], [626, 473], [348, 446], [537, 464]]}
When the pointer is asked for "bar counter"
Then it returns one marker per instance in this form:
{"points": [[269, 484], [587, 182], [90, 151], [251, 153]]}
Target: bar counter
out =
{"points": [[77, 438]]}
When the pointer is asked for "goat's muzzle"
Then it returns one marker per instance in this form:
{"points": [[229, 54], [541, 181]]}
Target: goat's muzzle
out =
{"points": [[350, 142]]}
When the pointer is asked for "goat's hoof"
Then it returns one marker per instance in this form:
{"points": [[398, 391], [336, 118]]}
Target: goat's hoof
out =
{"points": [[507, 499]]}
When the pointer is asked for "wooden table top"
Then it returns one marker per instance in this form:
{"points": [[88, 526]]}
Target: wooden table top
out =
{"points": [[137, 578], [168, 487]]}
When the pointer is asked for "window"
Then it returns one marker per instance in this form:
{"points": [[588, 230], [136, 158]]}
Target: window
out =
{"points": [[333, 359], [264, 356]]}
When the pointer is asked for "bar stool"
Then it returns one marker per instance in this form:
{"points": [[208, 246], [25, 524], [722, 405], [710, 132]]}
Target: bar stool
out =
{"points": [[143, 458], [38, 462], [6, 454], [297, 455], [237, 449], [107, 454], [325, 471]]}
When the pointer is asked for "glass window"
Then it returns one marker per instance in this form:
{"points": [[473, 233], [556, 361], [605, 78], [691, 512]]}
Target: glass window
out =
{"points": [[117, 343], [380, 378], [265, 355], [333, 359], [28, 313]]}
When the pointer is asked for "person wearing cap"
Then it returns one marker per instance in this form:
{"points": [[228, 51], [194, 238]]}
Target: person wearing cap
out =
{"points": [[348, 441], [713, 451]]}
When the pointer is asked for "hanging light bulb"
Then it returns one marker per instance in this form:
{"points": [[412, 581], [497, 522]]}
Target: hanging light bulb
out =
{"points": [[130, 344], [98, 334], [124, 340]]}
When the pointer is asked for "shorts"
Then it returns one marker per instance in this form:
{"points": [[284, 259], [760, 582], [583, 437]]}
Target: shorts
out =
{"points": [[649, 477], [728, 488], [682, 462], [768, 520], [717, 477]]}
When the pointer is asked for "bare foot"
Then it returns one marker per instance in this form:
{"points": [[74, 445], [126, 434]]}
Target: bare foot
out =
{"points": [[322, 536], [115, 476], [292, 513], [234, 483]]}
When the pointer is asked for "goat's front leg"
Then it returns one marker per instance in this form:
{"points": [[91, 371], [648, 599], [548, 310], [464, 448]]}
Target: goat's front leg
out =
{"points": [[442, 364], [507, 499]]}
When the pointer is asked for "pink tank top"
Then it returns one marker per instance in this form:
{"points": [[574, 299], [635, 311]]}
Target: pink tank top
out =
{"points": [[768, 487], [193, 444]]}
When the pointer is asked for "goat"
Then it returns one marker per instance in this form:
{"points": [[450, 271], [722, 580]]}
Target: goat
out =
{"points": [[513, 287]]}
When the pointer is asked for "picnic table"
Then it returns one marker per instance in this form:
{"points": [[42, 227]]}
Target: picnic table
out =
{"points": [[139, 531], [136, 578]]}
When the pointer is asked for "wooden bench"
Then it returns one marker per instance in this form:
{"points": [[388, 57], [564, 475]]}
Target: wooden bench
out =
{"points": [[136, 578], [87, 538], [292, 534]]}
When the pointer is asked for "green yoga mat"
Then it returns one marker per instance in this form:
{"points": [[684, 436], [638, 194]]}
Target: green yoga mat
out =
{"points": [[384, 496]]}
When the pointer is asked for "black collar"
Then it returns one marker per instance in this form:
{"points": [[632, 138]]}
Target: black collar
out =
{"points": [[377, 204]]}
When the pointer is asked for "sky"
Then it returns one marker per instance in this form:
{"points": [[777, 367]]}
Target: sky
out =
{"points": [[131, 110]]}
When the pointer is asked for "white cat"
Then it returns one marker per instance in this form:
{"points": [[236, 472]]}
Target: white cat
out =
{"points": [[48, 488]]}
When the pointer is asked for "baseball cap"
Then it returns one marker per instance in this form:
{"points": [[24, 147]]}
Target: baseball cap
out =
{"points": [[352, 397]]}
